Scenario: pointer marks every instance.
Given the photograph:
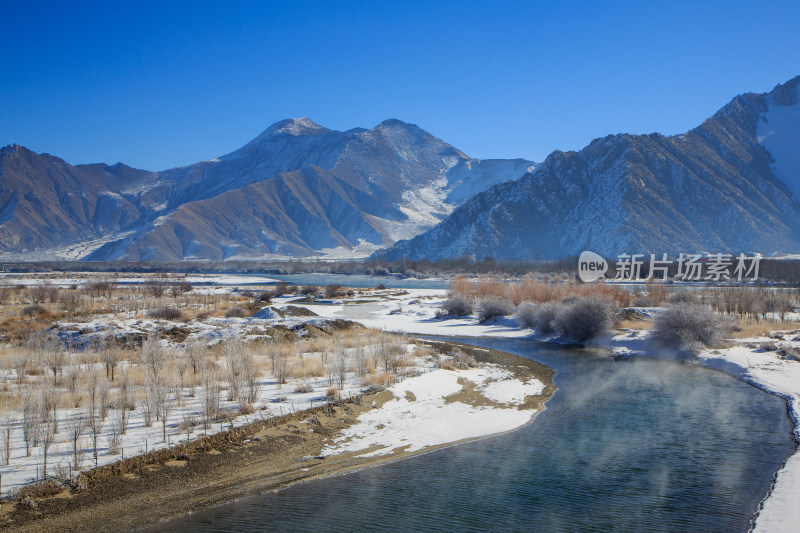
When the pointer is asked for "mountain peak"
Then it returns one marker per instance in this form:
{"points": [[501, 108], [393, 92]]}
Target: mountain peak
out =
{"points": [[297, 126], [786, 94], [395, 123]]}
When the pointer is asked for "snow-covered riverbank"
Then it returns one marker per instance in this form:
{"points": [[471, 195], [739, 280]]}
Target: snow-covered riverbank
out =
{"points": [[441, 407]]}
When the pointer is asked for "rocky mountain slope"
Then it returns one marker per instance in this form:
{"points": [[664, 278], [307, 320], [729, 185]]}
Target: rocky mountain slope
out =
{"points": [[730, 185], [297, 189]]}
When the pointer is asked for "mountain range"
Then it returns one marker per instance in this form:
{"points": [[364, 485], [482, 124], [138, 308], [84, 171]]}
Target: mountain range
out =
{"points": [[730, 185], [298, 189]]}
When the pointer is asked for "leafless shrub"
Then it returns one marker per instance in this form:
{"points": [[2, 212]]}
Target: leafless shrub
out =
{"points": [[525, 314], [180, 287], [280, 363], [309, 290], [54, 358], [243, 373], [337, 367], [5, 294], [156, 286], [281, 288], [492, 307], [42, 489], [460, 360], [20, 362], [583, 318], [100, 289], [332, 290], [390, 350], [457, 305], [266, 296], [682, 297], [303, 387], [236, 312], [42, 293], [543, 319], [166, 313], [33, 310], [361, 360], [689, 328]]}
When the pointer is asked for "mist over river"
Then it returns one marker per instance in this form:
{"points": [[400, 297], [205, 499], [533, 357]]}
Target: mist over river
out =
{"points": [[635, 445]]}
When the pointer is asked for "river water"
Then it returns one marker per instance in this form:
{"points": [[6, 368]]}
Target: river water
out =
{"points": [[635, 445]]}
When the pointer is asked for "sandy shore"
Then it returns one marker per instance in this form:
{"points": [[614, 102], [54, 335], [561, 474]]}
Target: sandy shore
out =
{"points": [[249, 460]]}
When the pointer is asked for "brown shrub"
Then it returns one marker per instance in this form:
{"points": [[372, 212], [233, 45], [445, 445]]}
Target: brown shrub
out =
{"points": [[166, 313]]}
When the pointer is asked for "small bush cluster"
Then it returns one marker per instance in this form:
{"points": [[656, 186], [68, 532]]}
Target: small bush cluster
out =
{"points": [[309, 290], [493, 307], [236, 312], [689, 328], [456, 305], [332, 290], [538, 317], [460, 361], [579, 319], [582, 319], [166, 313], [33, 310]]}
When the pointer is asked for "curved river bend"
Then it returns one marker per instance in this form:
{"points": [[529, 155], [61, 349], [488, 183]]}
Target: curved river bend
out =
{"points": [[637, 445]]}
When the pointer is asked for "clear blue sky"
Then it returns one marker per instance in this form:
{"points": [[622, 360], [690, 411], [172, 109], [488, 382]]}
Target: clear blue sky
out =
{"points": [[161, 84]]}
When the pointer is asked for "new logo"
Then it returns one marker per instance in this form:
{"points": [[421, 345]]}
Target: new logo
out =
{"points": [[591, 266]]}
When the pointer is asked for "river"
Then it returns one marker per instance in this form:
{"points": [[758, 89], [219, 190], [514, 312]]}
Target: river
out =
{"points": [[635, 445]]}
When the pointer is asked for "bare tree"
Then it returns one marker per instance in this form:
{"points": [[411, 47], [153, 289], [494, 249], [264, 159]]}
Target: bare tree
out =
{"points": [[95, 424], [110, 357], [93, 387], [165, 407], [30, 419], [196, 351], [47, 429], [54, 358], [210, 379], [102, 397], [361, 360], [21, 362], [50, 400], [390, 351], [76, 427], [233, 356], [123, 402], [280, 363], [182, 363], [243, 374], [152, 359], [5, 448], [338, 364]]}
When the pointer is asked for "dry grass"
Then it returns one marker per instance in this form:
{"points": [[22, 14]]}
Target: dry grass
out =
{"points": [[377, 379], [530, 289], [635, 324], [748, 327]]}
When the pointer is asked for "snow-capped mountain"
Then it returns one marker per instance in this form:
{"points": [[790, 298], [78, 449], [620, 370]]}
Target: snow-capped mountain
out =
{"points": [[297, 189], [730, 185]]}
